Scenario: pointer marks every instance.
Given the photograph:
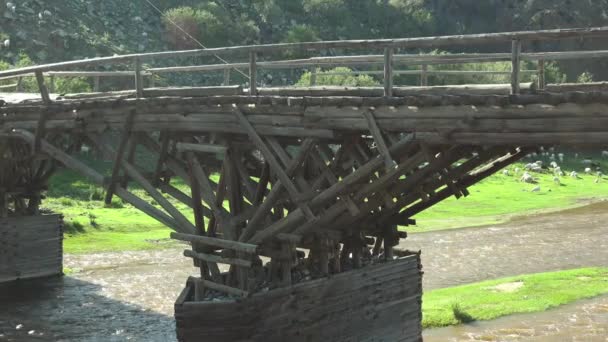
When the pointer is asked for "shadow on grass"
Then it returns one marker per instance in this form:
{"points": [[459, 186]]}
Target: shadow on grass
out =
{"points": [[73, 227], [461, 315]]}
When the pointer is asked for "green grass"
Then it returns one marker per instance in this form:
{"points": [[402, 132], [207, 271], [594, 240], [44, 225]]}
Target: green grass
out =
{"points": [[499, 198], [538, 292]]}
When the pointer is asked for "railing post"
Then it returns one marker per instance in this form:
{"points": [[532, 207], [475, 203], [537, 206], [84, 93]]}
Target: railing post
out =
{"points": [[388, 72], [313, 76], [20, 84], [152, 80], [96, 83], [52, 84], [139, 81], [515, 65], [424, 77], [44, 92], [541, 74], [253, 73], [227, 77]]}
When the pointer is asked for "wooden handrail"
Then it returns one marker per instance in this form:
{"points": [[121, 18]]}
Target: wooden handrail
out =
{"points": [[374, 44]]}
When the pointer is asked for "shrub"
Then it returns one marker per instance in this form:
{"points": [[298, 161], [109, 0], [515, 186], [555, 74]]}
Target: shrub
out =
{"points": [[95, 194], [328, 78], [585, 77], [73, 227]]}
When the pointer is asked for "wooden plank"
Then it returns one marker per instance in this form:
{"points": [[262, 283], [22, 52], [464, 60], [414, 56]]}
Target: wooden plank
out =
{"points": [[216, 242]]}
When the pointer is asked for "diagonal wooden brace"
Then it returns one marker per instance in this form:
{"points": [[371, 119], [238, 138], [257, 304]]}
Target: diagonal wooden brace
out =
{"points": [[274, 163]]}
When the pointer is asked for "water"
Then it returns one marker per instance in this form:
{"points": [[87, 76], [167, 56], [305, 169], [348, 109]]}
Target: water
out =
{"points": [[569, 239], [129, 296]]}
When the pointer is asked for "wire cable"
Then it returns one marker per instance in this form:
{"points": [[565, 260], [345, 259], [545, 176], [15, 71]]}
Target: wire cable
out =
{"points": [[191, 37]]}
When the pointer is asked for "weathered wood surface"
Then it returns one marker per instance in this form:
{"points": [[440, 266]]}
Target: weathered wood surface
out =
{"points": [[546, 118], [31, 247], [378, 303]]}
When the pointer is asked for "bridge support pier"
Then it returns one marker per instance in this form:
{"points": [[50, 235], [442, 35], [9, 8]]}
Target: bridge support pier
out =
{"points": [[380, 302], [31, 247]]}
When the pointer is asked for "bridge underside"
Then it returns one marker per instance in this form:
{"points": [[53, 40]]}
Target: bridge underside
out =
{"points": [[269, 177]]}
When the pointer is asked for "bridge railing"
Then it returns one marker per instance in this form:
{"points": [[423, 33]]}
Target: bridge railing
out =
{"points": [[387, 60]]}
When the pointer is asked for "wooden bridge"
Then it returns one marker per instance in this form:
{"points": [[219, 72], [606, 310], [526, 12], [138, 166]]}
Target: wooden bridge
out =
{"points": [[332, 170]]}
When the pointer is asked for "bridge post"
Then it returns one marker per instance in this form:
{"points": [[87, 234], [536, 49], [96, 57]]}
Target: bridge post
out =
{"points": [[139, 81], [541, 74], [253, 73], [313, 76], [515, 66], [226, 77], [96, 80], [388, 72], [424, 77]]}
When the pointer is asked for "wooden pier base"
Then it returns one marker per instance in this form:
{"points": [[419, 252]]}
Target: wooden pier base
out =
{"points": [[381, 302], [31, 247]]}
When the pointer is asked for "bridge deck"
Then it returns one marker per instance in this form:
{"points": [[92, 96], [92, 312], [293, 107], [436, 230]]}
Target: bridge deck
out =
{"points": [[472, 115]]}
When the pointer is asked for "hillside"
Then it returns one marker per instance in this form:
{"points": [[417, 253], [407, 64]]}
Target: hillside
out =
{"points": [[49, 30]]}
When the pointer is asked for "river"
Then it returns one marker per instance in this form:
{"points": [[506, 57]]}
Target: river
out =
{"points": [[129, 296]]}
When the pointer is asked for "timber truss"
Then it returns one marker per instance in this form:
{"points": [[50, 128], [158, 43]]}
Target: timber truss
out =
{"points": [[271, 172], [338, 198]]}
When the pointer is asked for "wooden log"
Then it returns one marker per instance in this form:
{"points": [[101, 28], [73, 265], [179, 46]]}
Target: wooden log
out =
{"points": [[434, 42], [424, 79], [139, 81], [541, 74], [379, 139], [185, 224], [275, 192], [217, 259], [274, 164], [253, 73], [226, 77], [204, 148], [197, 203], [44, 93], [194, 91], [216, 242], [220, 287], [388, 72], [515, 66], [122, 147]]}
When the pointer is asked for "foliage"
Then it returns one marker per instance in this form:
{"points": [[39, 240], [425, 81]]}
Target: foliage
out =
{"points": [[585, 77], [521, 294], [340, 76]]}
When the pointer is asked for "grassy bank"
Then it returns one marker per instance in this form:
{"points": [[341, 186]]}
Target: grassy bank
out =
{"points": [[522, 294], [502, 197], [91, 227]]}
